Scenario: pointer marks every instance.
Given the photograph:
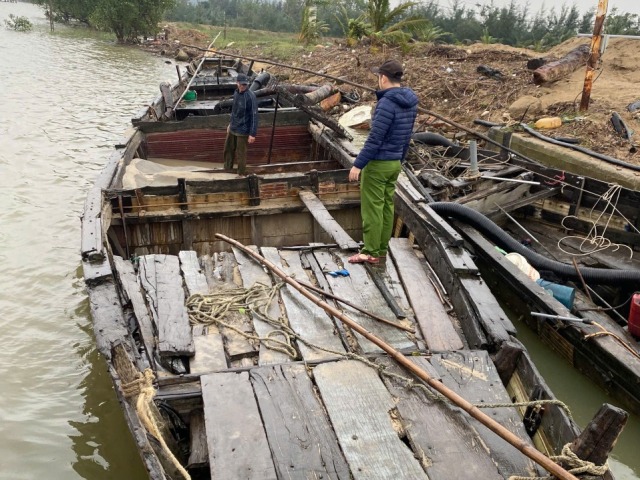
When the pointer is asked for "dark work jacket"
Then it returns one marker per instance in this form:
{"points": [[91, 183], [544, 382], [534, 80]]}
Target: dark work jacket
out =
{"points": [[391, 126], [244, 113]]}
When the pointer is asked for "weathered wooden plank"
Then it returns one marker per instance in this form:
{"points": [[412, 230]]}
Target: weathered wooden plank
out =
{"points": [[391, 278], [307, 319], [436, 252], [198, 453], [238, 447], [326, 221], [360, 409], [108, 321], [302, 442], [252, 272], [439, 432], [493, 318], [160, 277], [92, 242], [360, 290], [221, 273], [209, 347], [194, 279], [131, 287], [434, 321], [472, 375]]}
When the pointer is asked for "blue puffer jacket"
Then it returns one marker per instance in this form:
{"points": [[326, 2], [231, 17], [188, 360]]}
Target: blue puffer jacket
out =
{"points": [[391, 126], [244, 113]]}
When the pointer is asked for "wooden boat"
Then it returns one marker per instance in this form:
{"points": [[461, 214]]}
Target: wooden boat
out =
{"points": [[551, 218], [242, 344]]}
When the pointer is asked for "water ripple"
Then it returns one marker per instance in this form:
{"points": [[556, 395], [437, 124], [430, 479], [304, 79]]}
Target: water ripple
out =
{"points": [[59, 417]]}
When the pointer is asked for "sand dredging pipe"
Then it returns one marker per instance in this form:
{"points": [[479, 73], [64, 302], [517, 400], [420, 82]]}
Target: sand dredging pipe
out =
{"points": [[475, 219]]}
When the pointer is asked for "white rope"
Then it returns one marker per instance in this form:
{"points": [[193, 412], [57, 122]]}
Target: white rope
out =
{"points": [[595, 241]]}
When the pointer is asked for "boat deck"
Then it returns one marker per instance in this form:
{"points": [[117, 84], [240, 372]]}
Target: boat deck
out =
{"points": [[335, 406]]}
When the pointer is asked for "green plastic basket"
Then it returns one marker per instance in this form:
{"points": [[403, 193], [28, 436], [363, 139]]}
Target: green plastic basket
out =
{"points": [[190, 96]]}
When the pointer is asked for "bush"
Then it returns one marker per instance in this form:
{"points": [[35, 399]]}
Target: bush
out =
{"points": [[19, 24]]}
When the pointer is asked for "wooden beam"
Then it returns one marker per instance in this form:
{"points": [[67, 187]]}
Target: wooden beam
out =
{"points": [[327, 222]]}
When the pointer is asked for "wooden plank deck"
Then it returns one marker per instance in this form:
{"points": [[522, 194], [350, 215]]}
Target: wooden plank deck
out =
{"points": [[331, 417], [160, 277], [359, 289], [473, 376], [436, 326], [305, 317], [440, 432], [360, 409], [238, 447], [326, 221], [252, 272], [302, 441]]}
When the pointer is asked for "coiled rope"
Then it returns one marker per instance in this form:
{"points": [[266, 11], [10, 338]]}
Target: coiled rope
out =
{"points": [[142, 387], [574, 464], [213, 309]]}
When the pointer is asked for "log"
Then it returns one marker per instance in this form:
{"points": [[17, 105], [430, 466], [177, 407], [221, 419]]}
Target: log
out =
{"points": [[599, 437], [318, 95], [552, 71]]}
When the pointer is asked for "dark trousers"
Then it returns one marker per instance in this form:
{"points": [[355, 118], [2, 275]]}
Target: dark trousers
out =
{"points": [[236, 146]]}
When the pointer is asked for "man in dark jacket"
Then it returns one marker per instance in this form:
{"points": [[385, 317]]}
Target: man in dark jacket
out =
{"points": [[378, 163], [243, 127]]}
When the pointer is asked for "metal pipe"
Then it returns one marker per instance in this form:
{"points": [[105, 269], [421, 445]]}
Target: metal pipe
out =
{"points": [[273, 127], [515, 180], [473, 157], [517, 223], [559, 317]]}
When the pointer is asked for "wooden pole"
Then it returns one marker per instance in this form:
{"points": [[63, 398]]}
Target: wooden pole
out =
{"points": [[195, 73], [596, 40], [468, 407]]}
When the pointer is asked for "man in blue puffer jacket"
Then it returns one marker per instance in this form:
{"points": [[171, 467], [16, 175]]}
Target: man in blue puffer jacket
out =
{"points": [[378, 164]]}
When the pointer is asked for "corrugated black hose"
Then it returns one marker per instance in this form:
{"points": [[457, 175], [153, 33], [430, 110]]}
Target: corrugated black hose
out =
{"points": [[493, 232]]}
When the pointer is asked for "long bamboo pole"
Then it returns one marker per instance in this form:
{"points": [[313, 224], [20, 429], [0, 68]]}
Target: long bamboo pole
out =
{"points": [[193, 77], [468, 407]]}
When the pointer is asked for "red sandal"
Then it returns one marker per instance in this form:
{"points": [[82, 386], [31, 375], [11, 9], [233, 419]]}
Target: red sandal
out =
{"points": [[363, 258]]}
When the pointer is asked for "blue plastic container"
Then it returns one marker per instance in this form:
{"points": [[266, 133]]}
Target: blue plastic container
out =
{"points": [[565, 295]]}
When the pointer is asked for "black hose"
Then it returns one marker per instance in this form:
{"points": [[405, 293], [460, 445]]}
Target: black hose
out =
{"points": [[493, 232], [591, 153], [433, 139]]}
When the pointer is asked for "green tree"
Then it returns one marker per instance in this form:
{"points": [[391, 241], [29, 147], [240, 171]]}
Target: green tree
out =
{"points": [[622, 23], [311, 29], [391, 25], [128, 19]]}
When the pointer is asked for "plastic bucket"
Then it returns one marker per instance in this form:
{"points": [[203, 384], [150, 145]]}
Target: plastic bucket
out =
{"points": [[565, 295], [634, 316], [190, 96]]}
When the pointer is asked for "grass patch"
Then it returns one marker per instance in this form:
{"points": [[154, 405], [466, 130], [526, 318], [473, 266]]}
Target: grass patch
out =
{"points": [[279, 45]]}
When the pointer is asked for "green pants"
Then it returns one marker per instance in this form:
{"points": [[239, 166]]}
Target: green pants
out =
{"points": [[377, 188], [236, 146]]}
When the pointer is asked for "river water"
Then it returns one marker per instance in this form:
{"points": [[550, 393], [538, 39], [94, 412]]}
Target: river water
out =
{"points": [[65, 99]]}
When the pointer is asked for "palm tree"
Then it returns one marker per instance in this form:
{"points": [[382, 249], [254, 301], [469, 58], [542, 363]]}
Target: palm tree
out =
{"points": [[382, 17]]}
